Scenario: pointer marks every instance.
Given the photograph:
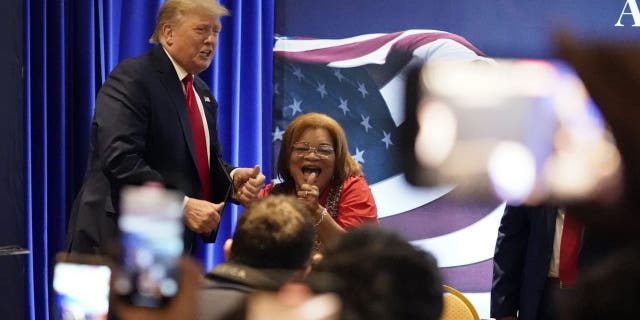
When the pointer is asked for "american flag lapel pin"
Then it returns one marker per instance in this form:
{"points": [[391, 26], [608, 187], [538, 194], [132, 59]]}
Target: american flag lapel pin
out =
{"points": [[207, 99]]}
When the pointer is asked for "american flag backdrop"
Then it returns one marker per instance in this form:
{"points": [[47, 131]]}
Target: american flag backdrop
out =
{"points": [[360, 82]]}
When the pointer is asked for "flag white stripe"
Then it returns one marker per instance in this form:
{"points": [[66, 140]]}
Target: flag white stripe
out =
{"points": [[299, 45], [379, 56], [394, 195], [471, 243]]}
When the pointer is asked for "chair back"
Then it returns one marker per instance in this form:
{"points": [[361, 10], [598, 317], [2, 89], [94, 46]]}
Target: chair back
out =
{"points": [[457, 306]]}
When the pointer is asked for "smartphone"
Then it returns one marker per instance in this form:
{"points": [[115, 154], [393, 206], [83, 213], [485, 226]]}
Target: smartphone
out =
{"points": [[518, 129], [151, 243], [81, 286]]}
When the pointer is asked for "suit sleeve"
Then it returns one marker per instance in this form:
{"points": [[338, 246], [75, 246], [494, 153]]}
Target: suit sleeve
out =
{"points": [[356, 206], [121, 123], [508, 262]]}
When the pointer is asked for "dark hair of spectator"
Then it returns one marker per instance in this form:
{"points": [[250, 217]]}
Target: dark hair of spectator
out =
{"points": [[276, 233]]}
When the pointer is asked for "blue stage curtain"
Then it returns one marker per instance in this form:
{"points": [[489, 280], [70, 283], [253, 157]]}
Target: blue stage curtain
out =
{"points": [[70, 47]]}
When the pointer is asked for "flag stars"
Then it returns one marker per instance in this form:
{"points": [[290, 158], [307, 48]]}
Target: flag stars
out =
{"points": [[338, 74], [359, 156], [298, 73], [322, 90], [277, 134], [386, 139], [365, 123], [343, 106], [295, 107], [362, 89]]}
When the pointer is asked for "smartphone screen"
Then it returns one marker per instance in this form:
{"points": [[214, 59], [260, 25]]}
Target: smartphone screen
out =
{"points": [[520, 130], [82, 290], [151, 244]]}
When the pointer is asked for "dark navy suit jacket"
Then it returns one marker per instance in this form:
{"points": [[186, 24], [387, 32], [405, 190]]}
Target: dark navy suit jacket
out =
{"points": [[521, 260], [523, 255], [141, 132]]}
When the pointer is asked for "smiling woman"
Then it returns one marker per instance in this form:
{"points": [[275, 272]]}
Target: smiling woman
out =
{"points": [[315, 165]]}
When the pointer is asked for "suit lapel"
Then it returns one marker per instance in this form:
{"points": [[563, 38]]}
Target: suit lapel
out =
{"points": [[220, 192], [209, 105], [175, 91]]}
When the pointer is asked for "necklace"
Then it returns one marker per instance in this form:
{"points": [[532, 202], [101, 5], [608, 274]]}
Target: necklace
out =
{"points": [[332, 200]]}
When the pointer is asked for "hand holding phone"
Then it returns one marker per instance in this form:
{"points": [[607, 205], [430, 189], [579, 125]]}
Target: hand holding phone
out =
{"points": [[182, 306], [81, 284], [151, 245]]}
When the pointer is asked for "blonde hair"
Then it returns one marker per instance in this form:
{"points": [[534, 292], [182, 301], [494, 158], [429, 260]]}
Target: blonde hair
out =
{"points": [[345, 165], [172, 11]]}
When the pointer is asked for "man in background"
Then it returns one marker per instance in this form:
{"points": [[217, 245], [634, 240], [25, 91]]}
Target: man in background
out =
{"points": [[155, 120], [522, 280], [272, 245], [539, 254]]}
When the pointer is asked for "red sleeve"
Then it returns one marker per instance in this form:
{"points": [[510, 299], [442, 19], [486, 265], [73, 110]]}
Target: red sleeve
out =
{"points": [[356, 206], [266, 190]]}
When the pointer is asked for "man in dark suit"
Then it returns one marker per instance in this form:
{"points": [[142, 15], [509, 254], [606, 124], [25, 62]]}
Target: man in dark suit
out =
{"points": [[526, 277], [521, 261], [272, 245], [155, 120]]}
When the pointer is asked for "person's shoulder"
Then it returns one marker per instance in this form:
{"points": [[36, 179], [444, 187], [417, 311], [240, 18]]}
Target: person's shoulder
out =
{"points": [[217, 281], [355, 181], [138, 63], [219, 297], [531, 208], [251, 277]]}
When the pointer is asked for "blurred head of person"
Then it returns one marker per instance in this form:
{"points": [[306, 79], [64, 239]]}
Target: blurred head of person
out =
{"points": [[275, 233], [607, 290], [188, 30], [382, 276], [315, 143]]}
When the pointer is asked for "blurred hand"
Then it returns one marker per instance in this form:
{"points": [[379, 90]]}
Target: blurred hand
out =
{"points": [[294, 301], [202, 216], [182, 306], [248, 182], [308, 194]]}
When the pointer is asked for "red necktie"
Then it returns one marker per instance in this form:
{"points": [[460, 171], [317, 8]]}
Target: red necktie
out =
{"points": [[569, 249], [199, 141]]}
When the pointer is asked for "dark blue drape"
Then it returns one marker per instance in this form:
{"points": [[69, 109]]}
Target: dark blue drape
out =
{"points": [[70, 47]]}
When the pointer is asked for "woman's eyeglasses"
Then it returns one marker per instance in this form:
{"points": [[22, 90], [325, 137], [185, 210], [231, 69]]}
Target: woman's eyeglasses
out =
{"points": [[322, 151]]}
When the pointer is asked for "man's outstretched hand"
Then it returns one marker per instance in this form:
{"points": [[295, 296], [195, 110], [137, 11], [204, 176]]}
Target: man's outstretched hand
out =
{"points": [[247, 182]]}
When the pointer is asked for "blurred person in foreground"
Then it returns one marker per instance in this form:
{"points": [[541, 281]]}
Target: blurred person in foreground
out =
{"points": [[294, 301], [611, 73], [379, 275], [608, 291], [155, 120], [272, 245], [315, 165]]}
